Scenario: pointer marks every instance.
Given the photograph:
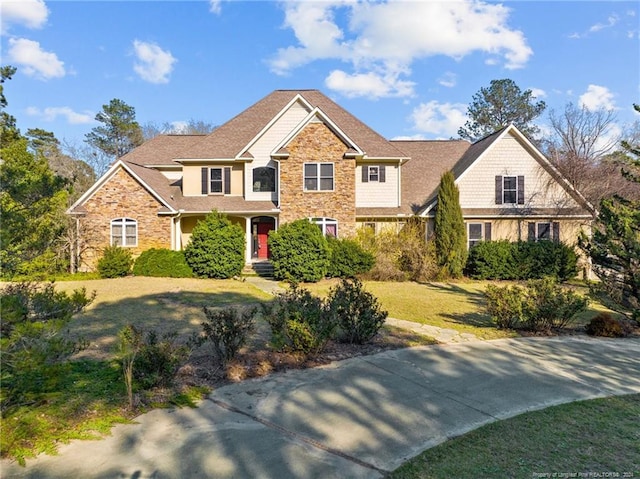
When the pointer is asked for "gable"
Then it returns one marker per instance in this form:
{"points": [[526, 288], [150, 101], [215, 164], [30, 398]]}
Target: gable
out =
{"points": [[509, 156]]}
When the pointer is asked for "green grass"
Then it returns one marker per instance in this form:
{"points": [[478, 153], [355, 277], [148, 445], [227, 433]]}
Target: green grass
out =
{"points": [[596, 436], [459, 306]]}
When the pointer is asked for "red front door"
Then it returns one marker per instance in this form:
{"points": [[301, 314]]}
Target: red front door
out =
{"points": [[263, 236]]}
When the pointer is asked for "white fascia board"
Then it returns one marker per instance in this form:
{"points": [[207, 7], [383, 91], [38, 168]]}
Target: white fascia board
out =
{"points": [[210, 160], [149, 189], [295, 99], [317, 112]]}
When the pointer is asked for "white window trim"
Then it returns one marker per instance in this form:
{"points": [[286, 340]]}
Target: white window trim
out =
{"points": [[123, 222], [209, 181], [319, 177], [375, 168], [323, 223], [482, 233], [504, 190]]}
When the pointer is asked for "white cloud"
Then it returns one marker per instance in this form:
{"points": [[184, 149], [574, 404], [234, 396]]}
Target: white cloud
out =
{"points": [[597, 97], [538, 92], [448, 80], [34, 60], [368, 84], [388, 37], [52, 113], [611, 21], [443, 119], [215, 6], [153, 63], [29, 13]]}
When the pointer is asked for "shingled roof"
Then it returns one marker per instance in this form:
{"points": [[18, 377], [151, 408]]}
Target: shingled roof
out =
{"points": [[230, 140], [421, 176], [162, 150]]}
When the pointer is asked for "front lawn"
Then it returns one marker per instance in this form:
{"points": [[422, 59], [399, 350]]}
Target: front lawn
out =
{"points": [[596, 438]]}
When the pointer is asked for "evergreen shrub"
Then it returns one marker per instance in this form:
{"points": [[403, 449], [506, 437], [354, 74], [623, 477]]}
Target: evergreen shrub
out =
{"points": [[348, 259], [115, 262], [228, 330], [299, 252], [163, 263], [216, 249]]}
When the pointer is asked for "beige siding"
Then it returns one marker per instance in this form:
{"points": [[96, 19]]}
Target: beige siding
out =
{"points": [[192, 183], [509, 157], [376, 194], [261, 150]]}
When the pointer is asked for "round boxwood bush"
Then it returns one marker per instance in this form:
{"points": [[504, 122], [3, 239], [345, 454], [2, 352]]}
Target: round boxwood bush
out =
{"points": [[348, 259], [216, 249], [491, 260], [115, 262], [299, 252], [163, 263]]}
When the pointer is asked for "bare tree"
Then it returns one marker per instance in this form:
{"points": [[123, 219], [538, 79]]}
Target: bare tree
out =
{"points": [[580, 148], [192, 127]]}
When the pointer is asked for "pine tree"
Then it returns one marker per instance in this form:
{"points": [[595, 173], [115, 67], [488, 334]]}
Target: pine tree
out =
{"points": [[614, 247], [450, 234]]}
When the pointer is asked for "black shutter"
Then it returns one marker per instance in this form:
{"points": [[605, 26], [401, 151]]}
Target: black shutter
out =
{"points": [[556, 231], [365, 173], [532, 232], [487, 231], [205, 178], [382, 177], [521, 190], [498, 190], [227, 180]]}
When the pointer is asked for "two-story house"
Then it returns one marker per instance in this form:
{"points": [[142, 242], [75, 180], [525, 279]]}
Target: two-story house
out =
{"points": [[297, 154]]}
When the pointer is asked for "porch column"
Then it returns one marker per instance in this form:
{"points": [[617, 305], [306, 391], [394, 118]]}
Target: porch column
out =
{"points": [[247, 237]]}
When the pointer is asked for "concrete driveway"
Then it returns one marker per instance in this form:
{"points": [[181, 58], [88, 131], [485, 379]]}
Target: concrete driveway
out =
{"points": [[357, 418]]}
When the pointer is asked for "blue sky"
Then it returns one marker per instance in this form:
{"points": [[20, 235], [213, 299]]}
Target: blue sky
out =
{"points": [[406, 68]]}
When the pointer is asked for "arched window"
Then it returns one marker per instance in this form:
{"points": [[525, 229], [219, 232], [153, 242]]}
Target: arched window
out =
{"points": [[124, 232], [328, 226], [264, 179]]}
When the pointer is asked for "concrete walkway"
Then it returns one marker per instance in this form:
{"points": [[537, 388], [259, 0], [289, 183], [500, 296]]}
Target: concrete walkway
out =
{"points": [[357, 418]]}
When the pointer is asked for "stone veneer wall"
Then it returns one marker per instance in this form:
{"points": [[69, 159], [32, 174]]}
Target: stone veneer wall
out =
{"points": [[122, 197], [317, 143]]}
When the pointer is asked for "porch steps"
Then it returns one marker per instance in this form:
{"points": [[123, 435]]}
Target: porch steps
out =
{"points": [[264, 269]]}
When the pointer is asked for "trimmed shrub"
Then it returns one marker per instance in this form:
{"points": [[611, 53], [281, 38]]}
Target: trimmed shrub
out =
{"points": [[299, 252], [492, 260], [450, 231], [537, 260], [228, 330], [299, 321], [163, 263], [216, 249], [605, 325], [356, 311], [348, 259], [522, 260], [115, 262]]}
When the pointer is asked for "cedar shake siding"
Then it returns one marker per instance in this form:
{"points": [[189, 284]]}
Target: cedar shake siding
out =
{"points": [[123, 197], [316, 143]]}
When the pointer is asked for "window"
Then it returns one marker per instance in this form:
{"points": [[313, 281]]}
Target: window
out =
{"points": [[369, 226], [477, 232], [216, 180], [544, 231], [509, 190], [328, 226], [264, 179], [318, 176], [374, 174], [124, 232]]}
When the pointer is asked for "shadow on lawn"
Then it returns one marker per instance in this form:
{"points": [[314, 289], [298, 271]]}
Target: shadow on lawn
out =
{"points": [[180, 312], [477, 298]]}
